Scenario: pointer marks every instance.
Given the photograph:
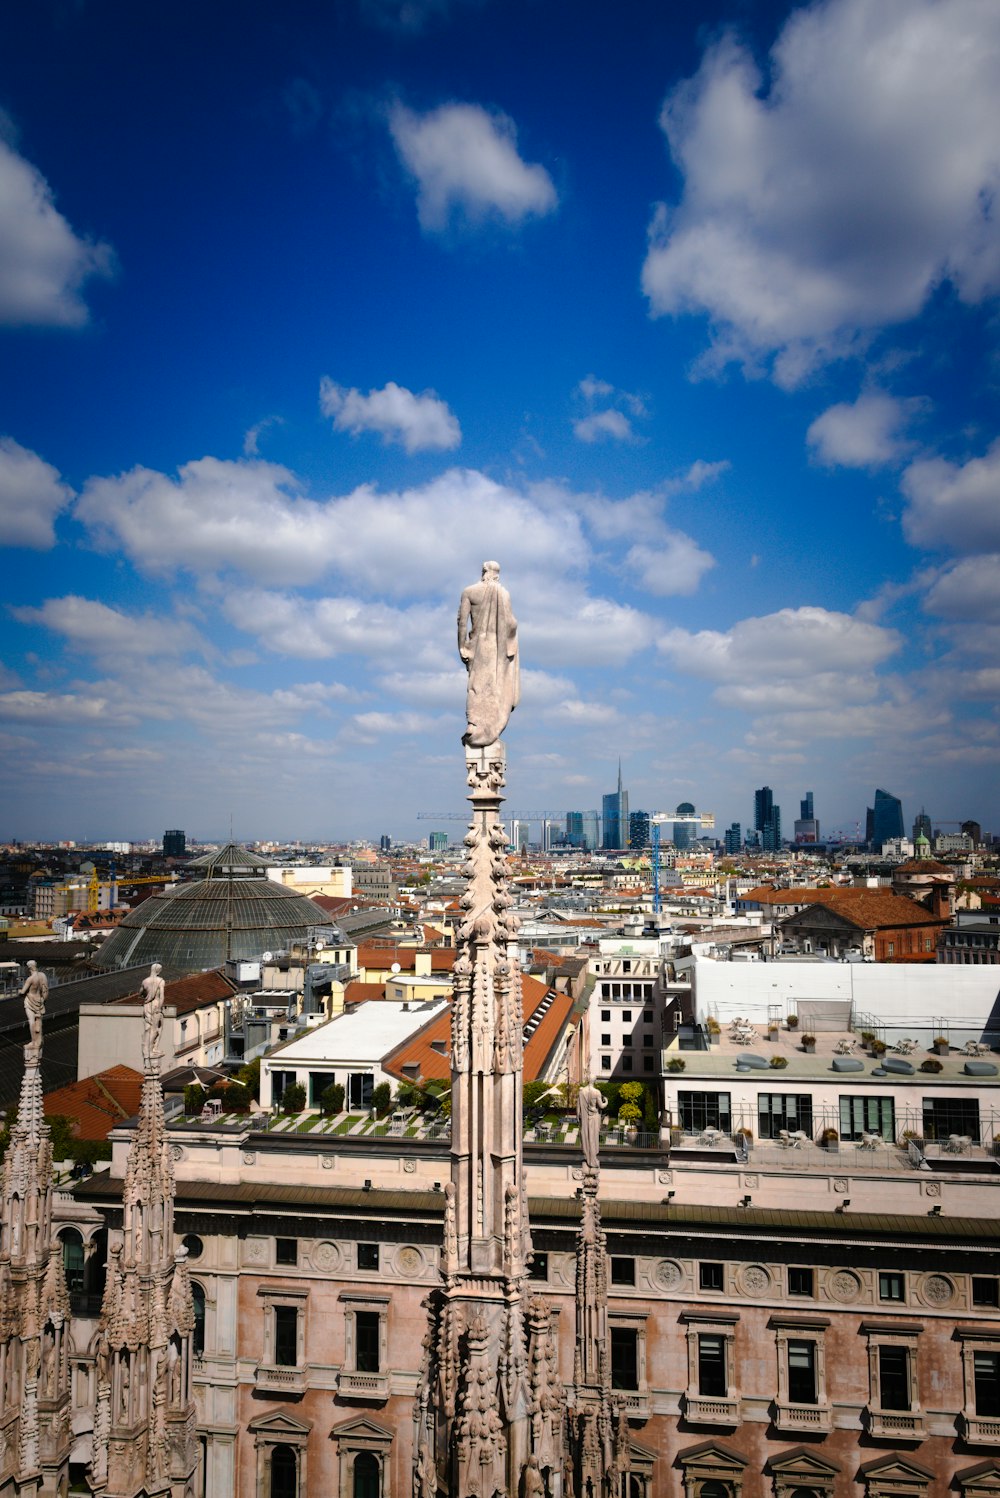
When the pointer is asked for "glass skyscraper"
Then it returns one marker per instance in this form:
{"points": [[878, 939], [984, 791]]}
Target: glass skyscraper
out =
{"points": [[887, 819], [614, 809], [767, 819]]}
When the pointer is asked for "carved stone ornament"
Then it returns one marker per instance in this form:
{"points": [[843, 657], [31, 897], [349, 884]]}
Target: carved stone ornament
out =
{"points": [[664, 1177], [668, 1274], [932, 1188], [177, 1151], [841, 1184], [328, 1162], [845, 1286], [409, 1260], [409, 1166], [937, 1289], [755, 1280], [255, 1250], [326, 1257], [249, 1157]]}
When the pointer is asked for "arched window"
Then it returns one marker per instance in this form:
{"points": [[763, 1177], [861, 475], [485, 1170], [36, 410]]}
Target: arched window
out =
{"points": [[366, 1475], [72, 1251], [284, 1475], [714, 1489], [198, 1335]]}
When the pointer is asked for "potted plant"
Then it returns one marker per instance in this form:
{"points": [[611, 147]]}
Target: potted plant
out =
{"points": [[628, 1119], [877, 1047], [942, 1045], [808, 1043], [867, 1036], [932, 1064], [792, 1021], [829, 1140], [773, 1030], [676, 1063], [713, 1027], [777, 1062], [747, 1133], [910, 1136], [996, 1145]]}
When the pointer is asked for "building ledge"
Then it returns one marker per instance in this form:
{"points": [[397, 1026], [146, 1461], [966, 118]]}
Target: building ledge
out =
{"points": [[802, 1416], [270, 1379], [369, 1386], [896, 1425], [634, 1402], [981, 1431], [701, 1410]]}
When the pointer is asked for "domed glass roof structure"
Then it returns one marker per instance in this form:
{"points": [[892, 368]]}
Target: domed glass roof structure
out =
{"points": [[234, 911]]}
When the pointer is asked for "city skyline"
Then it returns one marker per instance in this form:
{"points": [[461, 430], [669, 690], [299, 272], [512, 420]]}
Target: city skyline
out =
{"points": [[387, 295]]}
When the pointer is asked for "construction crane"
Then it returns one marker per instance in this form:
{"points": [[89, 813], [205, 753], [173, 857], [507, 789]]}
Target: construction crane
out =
{"points": [[96, 885]]}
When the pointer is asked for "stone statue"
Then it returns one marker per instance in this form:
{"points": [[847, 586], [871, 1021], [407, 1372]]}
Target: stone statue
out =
{"points": [[487, 643], [152, 1011], [34, 992], [534, 1483], [589, 1106]]}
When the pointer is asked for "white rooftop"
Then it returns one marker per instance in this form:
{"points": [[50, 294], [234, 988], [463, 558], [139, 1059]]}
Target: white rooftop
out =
{"points": [[367, 1034]]}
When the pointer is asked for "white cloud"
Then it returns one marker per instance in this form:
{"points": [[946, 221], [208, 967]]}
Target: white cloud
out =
{"points": [[52, 707], [833, 201], [250, 517], [864, 434], [319, 628], [31, 496], [100, 630], [43, 264], [792, 645], [604, 424], [954, 506], [420, 423], [372, 728], [674, 567], [564, 630], [968, 590], [466, 159]]}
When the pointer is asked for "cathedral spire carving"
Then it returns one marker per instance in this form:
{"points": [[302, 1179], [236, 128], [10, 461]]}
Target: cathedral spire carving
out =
{"points": [[144, 1437]]}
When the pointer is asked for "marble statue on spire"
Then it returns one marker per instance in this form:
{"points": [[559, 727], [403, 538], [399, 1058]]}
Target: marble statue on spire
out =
{"points": [[590, 1105], [152, 1012], [487, 643], [34, 992]]}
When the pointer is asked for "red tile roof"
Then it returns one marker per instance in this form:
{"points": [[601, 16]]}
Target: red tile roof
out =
{"points": [[194, 992], [97, 1103]]}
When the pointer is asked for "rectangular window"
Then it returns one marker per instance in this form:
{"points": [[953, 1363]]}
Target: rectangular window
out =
{"points": [[605, 1063], [367, 1330], [367, 1255], [711, 1276], [648, 1063], [800, 1280], [626, 1063], [891, 1285], [538, 1269], [605, 1016], [647, 1042], [286, 1250], [712, 1367], [624, 1358], [951, 1115], [626, 1016], [986, 1378], [894, 1378], [647, 1015], [606, 1039], [890, 949], [801, 1372], [704, 1110], [985, 1291], [622, 1270], [867, 1115], [286, 1327], [783, 1110]]}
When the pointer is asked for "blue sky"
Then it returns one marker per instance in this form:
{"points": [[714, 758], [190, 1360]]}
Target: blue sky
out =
{"points": [[687, 314]]}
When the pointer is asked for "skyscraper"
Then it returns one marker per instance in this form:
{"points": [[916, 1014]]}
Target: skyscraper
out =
{"points": [[638, 830], [615, 812], [688, 831], [591, 830], [174, 843], [887, 819], [574, 829], [437, 841], [922, 825], [767, 819], [807, 827], [734, 841]]}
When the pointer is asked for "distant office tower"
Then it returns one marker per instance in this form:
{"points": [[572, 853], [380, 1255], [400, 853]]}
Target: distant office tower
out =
{"points": [[922, 826], [591, 830], [615, 809], [384, 843], [437, 841], [520, 834], [887, 819], [174, 844], [807, 827], [553, 832], [688, 831], [574, 829], [974, 831], [767, 819], [638, 830], [734, 841]]}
